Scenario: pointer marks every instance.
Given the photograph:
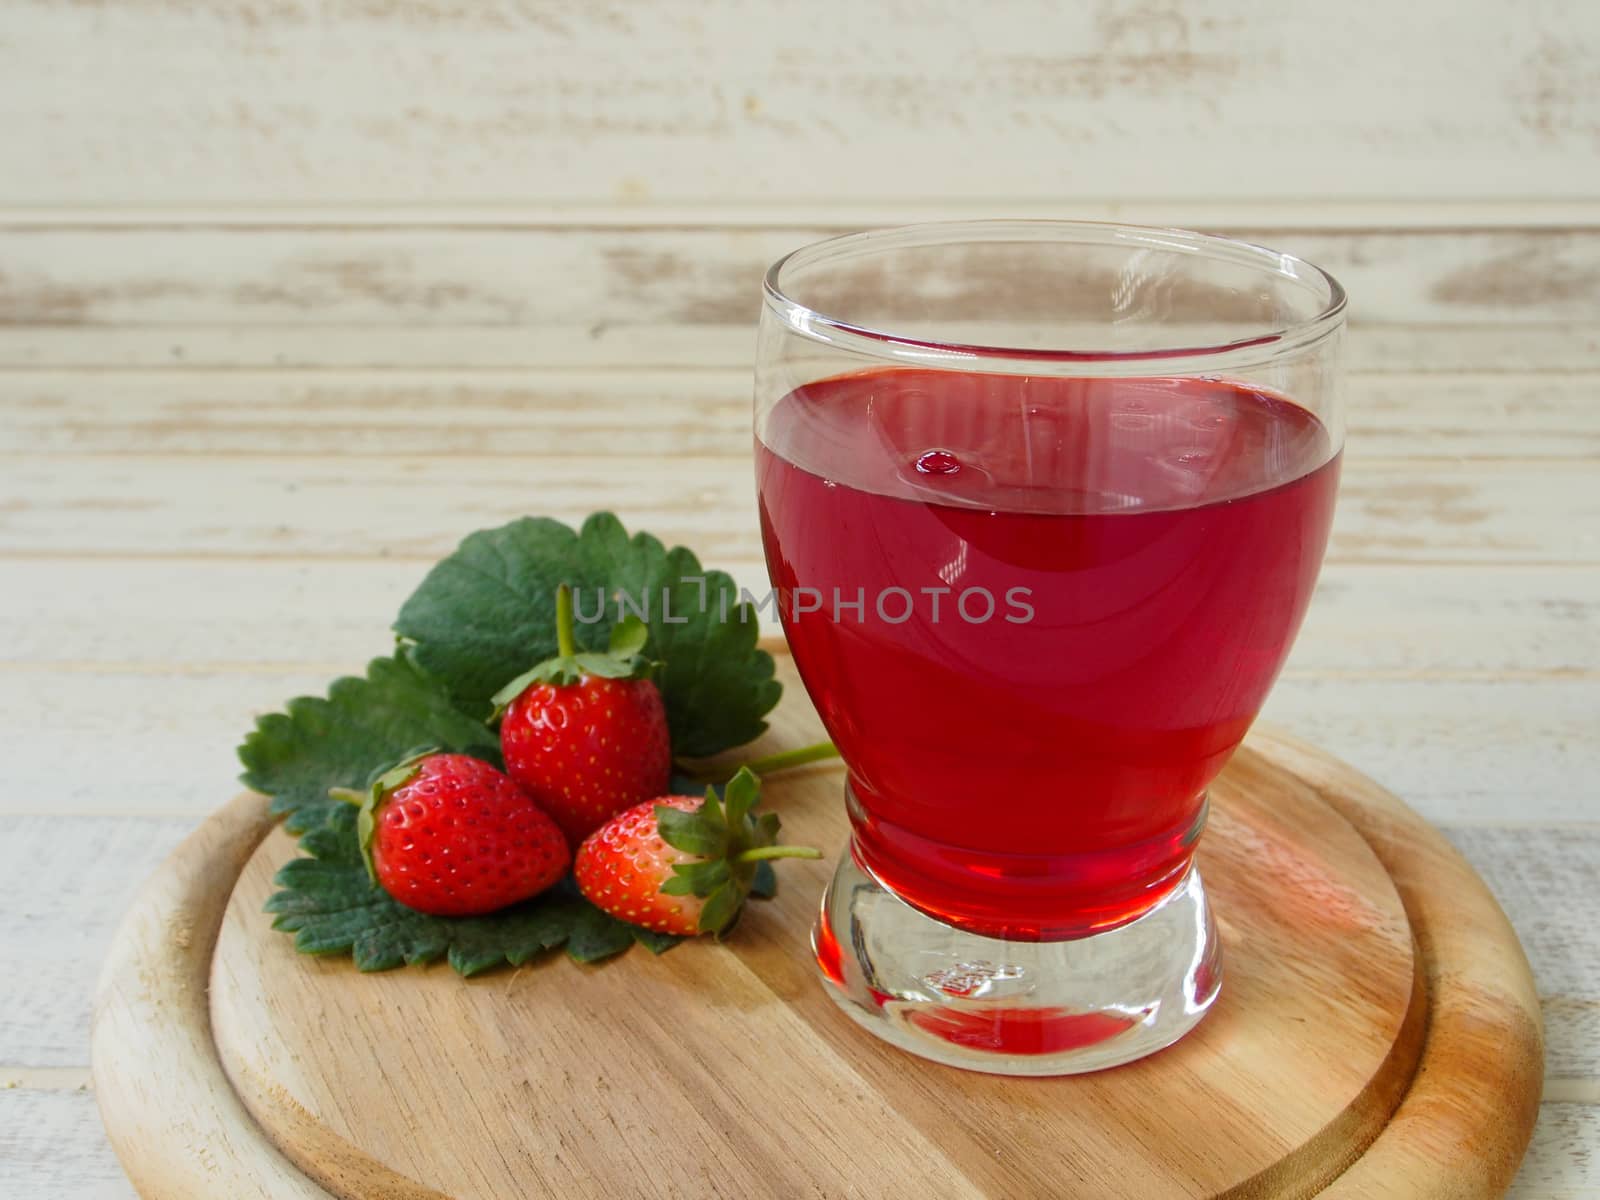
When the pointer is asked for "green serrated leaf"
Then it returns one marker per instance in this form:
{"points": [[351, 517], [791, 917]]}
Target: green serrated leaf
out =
{"points": [[629, 637], [399, 773], [721, 906], [764, 883], [698, 832], [479, 944], [698, 878], [318, 743], [594, 936], [711, 809], [331, 843], [605, 666], [656, 943], [482, 614], [739, 796], [502, 699], [331, 907]]}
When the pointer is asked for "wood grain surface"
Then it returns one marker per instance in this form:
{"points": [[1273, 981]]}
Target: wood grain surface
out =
{"points": [[178, 1102], [547, 1066], [516, 295], [1418, 415], [718, 101]]}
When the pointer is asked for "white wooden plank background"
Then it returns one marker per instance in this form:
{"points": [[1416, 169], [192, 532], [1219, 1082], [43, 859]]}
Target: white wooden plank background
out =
{"points": [[440, 102], [295, 292]]}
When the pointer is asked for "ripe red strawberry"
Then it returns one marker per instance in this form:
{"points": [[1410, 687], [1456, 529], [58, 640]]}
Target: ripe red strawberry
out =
{"points": [[450, 835], [682, 864], [585, 733], [622, 865]]}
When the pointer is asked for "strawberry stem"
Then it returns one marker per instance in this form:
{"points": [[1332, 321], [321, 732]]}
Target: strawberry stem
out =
{"points": [[762, 853], [785, 759], [566, 647], [347, 795]]}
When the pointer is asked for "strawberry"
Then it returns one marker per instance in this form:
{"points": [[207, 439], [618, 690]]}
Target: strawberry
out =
{"points": [[450, 835], [682, 864], [586, 733]]}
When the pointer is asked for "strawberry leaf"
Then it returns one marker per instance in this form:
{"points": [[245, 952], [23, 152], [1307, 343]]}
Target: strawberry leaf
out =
{"points": [[479, 618], [734, 848], [721, 907], [621, 660], [739, 796], [384, 782], [486, 613], [629, 637], [604, 665], [699, 832], [595, 935], [697, 878], [319, 743], [764, 884], [656, 943], [329, 904]]}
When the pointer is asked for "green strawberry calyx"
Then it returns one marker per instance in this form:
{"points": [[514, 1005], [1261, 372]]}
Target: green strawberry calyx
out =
{"points": [[730, 843], [622, 659], [384, 782]]}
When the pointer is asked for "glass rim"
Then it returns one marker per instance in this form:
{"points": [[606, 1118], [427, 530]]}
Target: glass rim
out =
{"points": [[1272, 341]]}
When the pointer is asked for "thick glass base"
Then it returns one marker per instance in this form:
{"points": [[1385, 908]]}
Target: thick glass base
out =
{"points": [[1017, 1008]]}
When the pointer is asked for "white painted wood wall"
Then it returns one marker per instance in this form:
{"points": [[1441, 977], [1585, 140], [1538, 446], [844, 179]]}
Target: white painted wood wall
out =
{"points": [[295, 292]]}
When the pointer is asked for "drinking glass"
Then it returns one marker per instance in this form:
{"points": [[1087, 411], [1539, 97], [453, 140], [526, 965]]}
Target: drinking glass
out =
{"points": [[1043, 504]]}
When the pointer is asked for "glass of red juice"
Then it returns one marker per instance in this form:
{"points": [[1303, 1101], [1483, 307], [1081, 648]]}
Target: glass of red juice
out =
{"points": [[1043, 504]]}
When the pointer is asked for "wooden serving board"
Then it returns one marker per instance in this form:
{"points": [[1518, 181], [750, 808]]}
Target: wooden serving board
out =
{"points": [[1378, 1034]]}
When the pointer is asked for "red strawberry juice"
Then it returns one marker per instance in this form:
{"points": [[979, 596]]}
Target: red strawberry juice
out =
{"points": [[1037, 615]]}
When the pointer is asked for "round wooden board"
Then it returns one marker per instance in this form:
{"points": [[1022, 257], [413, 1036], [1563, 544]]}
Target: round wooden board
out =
{"points": [[1378, 1034]]}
